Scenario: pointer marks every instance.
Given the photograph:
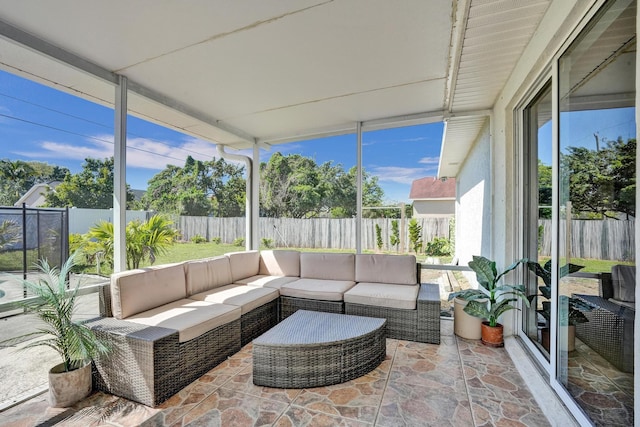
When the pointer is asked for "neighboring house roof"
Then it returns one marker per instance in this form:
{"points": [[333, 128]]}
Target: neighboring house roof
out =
{"points": [[35, 196], [431, 187]]}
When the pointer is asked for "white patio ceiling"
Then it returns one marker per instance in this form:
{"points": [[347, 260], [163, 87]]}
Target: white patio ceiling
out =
{"points": [[271, 71]]}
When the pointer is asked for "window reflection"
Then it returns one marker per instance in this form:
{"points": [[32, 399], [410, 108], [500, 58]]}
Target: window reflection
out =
{"points": [[596, 208]]}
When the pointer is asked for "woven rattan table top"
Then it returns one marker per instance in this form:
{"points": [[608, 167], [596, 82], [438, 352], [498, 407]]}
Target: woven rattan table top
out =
{"points": [[313, 327]]}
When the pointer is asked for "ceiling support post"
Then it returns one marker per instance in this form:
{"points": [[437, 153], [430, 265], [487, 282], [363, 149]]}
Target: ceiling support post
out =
{"points": [[255, 198], [359, 189], [120, 177]]}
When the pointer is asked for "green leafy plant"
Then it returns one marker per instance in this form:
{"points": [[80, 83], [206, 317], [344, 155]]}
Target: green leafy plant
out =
{"points": [[415, 235], [439, 246], [144, 239], [198, 239], [216, 240], [267, 243], [394, 239], [379, 237], [54, 308], [239, 241], [491, 300], [574, 312]]}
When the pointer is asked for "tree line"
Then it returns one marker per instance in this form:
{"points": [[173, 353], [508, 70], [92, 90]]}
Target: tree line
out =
{"points": [[291, 186], [601, 183]]}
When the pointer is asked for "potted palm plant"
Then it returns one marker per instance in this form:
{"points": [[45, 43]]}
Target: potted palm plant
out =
{"points": [[77, 345], [572, 312], [491, 300]]}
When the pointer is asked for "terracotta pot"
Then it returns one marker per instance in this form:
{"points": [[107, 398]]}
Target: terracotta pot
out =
{"points": [[492, 336], [545, 337], [67, 388]]}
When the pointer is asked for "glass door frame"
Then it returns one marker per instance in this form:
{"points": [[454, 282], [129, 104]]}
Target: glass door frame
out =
{"points": [[551, 72]]}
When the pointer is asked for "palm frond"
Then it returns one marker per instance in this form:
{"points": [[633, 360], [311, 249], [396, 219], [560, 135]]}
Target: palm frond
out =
{"points": [[54, 308]]}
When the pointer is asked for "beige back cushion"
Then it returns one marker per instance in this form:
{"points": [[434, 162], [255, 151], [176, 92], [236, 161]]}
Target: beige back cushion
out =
{"points": [[391, 269], [205, 274], [280, 263], [329, 266], [244, 264], [135, 291]]}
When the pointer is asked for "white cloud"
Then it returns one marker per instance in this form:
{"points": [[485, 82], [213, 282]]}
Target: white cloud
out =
{"points": [[62, 150], [429, 160], [399, 174], [141, 152]]}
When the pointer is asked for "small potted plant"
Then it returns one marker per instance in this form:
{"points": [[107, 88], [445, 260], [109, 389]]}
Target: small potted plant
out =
{"points": [[491, 300], [77, 345], [572, 312]]}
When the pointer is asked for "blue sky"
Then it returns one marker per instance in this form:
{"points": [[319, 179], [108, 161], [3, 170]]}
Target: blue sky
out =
{"points": [[578, 129], [43, 124]]}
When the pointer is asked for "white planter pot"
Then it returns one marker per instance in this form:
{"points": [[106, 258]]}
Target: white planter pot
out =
{"points": [[67, 388], [465, 325]]}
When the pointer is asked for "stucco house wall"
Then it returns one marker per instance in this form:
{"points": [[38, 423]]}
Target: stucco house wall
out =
{"points": [[473, 201], [434, 208]]}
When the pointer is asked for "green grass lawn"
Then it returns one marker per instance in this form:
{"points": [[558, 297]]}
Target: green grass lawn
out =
{"points": [[593, 265]]}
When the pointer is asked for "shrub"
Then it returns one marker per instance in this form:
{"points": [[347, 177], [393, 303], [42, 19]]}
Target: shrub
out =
{"points": [[379, 237], [267, 243], [394, 239], [439, 246], [415, 235], [198, 239], [239, 241], [216, 240], [144, 239]]}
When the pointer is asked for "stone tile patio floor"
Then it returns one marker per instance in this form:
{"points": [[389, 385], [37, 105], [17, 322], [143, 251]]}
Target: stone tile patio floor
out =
{"points": [[457, 383]]}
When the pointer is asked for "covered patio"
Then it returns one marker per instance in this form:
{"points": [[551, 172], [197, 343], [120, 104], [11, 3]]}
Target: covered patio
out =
{"points": [[248, 76]]}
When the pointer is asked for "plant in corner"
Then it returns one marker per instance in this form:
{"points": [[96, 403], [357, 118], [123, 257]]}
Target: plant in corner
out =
{"points": [[54, 305], [491, 300]]}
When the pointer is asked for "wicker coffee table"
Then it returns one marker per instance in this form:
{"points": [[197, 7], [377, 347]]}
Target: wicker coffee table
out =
{"points": [[313, 349]]}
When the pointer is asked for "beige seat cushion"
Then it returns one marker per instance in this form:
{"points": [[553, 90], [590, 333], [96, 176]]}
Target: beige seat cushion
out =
{"points": [[243, 264], [243, 296], [383, 295], [205, 274], [135, 291], [189, 317], [328, 290], [280, 263], [390, 269], [330, 266], [274, 282]]}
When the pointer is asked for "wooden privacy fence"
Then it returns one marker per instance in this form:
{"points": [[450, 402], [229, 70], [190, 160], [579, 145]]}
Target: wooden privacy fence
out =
{"points": [[596, 239], [309, 233]]}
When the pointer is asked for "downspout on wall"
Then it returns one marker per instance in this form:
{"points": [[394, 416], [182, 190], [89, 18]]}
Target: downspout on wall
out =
{"points": [[249, 231]]}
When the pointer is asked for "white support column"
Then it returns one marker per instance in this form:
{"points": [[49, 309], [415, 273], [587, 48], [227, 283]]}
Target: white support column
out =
{"points": [[255, 198], [120, 177], [359, 189]]}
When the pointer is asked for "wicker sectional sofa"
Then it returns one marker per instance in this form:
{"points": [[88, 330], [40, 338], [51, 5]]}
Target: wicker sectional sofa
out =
{"points": [[172, 323]]}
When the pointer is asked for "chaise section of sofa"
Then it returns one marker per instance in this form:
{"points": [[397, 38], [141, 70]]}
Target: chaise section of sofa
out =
{"points": [[161, 340]]}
